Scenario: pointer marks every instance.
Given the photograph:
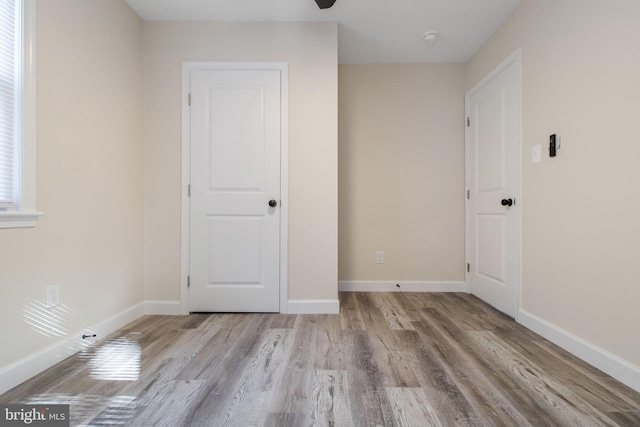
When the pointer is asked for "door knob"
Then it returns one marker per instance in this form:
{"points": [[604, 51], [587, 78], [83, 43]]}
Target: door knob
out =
{"points": [[273, 203], [507, 202]]}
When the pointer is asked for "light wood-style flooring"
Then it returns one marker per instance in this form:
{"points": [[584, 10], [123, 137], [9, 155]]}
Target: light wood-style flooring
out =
{"points": [[388, 359]]}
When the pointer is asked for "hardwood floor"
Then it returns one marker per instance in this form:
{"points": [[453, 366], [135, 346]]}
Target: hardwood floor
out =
{"points": [[388, 359]]}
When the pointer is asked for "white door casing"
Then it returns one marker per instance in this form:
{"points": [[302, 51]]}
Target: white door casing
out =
{"points": [[236, 137], [493, 182]]}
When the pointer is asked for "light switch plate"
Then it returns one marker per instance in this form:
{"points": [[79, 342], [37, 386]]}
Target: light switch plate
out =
{"points": [[536, 154], [53, 295]]}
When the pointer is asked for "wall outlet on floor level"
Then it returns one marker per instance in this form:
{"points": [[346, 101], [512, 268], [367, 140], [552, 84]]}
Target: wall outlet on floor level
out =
{"points": [[380, 257], [53, 295]]}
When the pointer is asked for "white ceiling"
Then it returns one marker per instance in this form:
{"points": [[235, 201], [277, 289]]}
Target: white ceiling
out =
{"points": [[370, 31]]}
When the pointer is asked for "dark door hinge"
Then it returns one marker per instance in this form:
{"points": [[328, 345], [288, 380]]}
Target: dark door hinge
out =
{"points": [[468, 121], [468, 267], [188, 281], [189, 99]]}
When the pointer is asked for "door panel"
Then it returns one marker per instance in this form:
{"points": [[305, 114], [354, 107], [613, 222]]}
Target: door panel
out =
{"points": [[235, 250], [235, 172], [490, 143], [237, 154], [493, 176], [490, 246]]}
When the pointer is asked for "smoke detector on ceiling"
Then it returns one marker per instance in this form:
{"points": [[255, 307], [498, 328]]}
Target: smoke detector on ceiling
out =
{"points": [[430, 36]]}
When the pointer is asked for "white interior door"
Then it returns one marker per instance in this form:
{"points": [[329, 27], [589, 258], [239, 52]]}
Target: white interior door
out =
{"points": [[493, 168], [235, 175]]}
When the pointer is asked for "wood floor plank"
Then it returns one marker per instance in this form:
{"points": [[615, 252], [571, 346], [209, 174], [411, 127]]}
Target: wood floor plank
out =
{"points": [[224, 381], [396, 367], [366, 391], [275, 358], [194, 321], [119, 411], [630, 418], [619, 391], [412, 303], [388, 351], [469, 319], [293, 393], [494, 318], [450, 404], [283, 321], [167, 366], [330, 350], [414, 300], [376, 322], [570, 407], [386, 359], [496, 396], [463, 381], [84, 407], [330, 400], [411, 407], [592, 391], [392, 311], [279, 419], [170, 404], [202, 364], [350, 314], [251, 401]]}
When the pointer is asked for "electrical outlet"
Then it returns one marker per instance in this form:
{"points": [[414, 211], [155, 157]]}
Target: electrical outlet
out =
{"points": [[53, 295], [380, 257]]}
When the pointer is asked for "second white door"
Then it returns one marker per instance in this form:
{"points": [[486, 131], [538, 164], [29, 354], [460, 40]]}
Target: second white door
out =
{"points": [[493, 168], [235, 191]]}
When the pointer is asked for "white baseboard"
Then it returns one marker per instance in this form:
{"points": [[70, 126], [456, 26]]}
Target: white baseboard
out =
{"points": [[620, 369], [166, 308], [313, 306], [405, 286], [27, 367]]}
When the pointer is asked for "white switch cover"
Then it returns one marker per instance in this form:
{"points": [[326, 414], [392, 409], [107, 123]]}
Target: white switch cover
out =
{"points": [[536, 154], [380, 257]]}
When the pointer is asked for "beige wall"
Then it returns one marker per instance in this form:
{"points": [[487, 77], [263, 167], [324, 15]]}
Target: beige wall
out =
{"points": [[311, 51], [402, 172], [581, 213], [89, 183]]}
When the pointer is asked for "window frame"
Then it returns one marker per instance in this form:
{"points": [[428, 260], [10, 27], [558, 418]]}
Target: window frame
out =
{"points": [[26, 215]]}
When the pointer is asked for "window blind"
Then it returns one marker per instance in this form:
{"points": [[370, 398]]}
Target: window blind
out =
{"points": [[10, 90]]}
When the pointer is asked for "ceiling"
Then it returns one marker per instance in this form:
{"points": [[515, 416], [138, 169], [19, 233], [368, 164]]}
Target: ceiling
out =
{"points": [[370, 31]]}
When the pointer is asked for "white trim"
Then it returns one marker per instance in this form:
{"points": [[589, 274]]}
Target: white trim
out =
{"points": [[31, 365], [405, 286], [187, 67], [620, 369], [186, 179], [284, 187], [166, 308], [26, 214], [516, 59], [18, 219], [313, 306], [28, 202]]}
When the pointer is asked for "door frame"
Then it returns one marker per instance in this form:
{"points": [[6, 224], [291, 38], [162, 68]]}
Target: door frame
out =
{"points": [[515, 59], [187, 67]]}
